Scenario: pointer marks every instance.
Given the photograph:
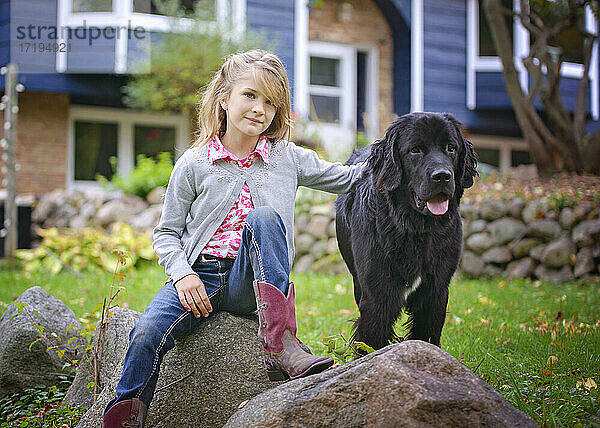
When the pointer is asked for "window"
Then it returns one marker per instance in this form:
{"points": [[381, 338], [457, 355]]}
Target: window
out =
{"points": [[152, 140], [569, 41], [95, 144], [520, 157], [488, 156], [486, 42], [92, 6], [208, 7], [325, 89]]}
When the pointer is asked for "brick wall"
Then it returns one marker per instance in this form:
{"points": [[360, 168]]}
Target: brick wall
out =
{"points": [[359, 22], [42, 142]]}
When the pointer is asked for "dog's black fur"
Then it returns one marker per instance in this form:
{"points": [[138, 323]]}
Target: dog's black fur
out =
{"points": [[389, 238]]}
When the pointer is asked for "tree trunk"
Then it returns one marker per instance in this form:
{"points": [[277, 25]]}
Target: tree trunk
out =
{"points": [[551, 153]]}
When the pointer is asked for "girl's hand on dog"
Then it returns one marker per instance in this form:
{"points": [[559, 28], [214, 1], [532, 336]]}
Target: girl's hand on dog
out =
{"points": [[192, 295]]}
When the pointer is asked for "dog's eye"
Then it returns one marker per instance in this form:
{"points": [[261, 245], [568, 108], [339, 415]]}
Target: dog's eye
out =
{"points": [[416, 150], [450, 148]]}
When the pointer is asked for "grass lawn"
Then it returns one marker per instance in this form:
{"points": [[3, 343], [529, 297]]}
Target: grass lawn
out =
{"points": [[536, 343]]}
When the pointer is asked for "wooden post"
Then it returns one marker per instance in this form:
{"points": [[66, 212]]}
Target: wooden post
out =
{"points": [[9, 158]]}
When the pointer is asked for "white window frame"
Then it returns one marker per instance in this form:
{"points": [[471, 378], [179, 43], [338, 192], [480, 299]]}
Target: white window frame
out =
{"points": [[476, 63], [122, 17], [126, 121], [505, 145]]}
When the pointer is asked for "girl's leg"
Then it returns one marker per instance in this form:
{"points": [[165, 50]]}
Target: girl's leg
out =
{"points": [[260, 279], [163, 321], [263, 256]]}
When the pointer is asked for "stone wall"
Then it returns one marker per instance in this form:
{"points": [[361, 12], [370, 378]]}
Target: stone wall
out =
{"points": [[512, 237]]}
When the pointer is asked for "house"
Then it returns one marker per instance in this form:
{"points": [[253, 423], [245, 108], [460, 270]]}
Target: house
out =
{"points": [[353, 66]]}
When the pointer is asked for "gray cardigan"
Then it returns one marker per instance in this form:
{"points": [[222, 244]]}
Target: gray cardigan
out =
{"points": [[200, 195]]}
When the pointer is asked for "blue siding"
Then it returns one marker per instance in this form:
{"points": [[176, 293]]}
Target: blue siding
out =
{"points": [[275, 19], [491, 91], [41, 14], [99, 57], [4, 32], [397, 14], [445, 54]]}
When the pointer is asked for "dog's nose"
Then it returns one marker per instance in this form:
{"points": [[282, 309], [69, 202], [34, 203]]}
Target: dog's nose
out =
{"points": [[441, 175]]}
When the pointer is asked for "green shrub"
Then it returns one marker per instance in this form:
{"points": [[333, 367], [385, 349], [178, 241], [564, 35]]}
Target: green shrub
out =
{"points": [[147, 175]]}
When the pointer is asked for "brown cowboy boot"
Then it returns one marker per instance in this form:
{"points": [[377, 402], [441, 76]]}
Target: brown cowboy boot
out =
{"points": [[284, 358], [126, 414]]}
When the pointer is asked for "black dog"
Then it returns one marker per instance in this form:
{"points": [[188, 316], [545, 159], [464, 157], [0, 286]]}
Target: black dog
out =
{"points": [[400, 232]]}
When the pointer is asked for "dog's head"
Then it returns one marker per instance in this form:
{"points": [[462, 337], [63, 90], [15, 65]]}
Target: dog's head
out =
{"points": [[426, 156]]}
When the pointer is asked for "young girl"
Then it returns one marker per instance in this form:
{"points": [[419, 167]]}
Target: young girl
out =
{"points": [[225, 236]]}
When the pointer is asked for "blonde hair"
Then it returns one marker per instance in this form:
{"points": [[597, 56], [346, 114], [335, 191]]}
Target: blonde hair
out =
{"points": [[271, 78]]}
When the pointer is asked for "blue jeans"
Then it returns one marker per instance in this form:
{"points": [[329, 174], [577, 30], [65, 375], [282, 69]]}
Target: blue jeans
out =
{"points": [[263, 256]]}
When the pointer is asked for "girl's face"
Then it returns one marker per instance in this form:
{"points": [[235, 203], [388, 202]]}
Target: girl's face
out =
{"points": [[249, 112]]}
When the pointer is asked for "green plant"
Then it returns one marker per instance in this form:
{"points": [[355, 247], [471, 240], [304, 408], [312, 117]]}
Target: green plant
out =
{"points": [[343, 350], [39, 406], [147, 175], [89, 249]]}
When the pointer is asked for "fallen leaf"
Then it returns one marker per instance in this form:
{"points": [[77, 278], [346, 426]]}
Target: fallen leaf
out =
{"points": [[590, 383], [502, 284], [242, 404], [552, 359], [558, 316]]}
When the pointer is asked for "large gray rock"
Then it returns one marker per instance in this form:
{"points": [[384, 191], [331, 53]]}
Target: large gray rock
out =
{"points": [[115, 345], [506, 229], [537, 252], [586, 233], [471, 264], [492, 209], [585, 262], [515, 207], [146, 219], [479, 242], [303, 243], [408, 384], [559, 253], [203, 379], [476, 226], [22, 367], [546, 230], [554, 275], [497, 255], [522, 268], [156, 196], [317, 226]]}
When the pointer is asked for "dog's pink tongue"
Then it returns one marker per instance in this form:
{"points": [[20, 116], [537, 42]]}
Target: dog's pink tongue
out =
{"points": [[438, 207]]}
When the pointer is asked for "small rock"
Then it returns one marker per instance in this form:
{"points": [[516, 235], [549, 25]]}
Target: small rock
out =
{"points": [[567, 218], [492, 270], [332, 246], [331, 229], [322, 209], [156, 196], [300, 223], [522, 247], [469, 211], [472, 264], [585, 262], [581, 210], [303, 243], [551, 215], [506, 229], [554, 275], [119, 210], [534, 210], [522, 268], [586, 233], [498, 255], [319, 249], [515, 207], [317, 226], [147, 219], [537, 252], [559, 253], [477, 226], [546, 230], [479, 242], [304, 263], [492, 209]]}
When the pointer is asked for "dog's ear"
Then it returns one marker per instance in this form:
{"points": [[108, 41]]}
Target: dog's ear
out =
{"points": [[468, 164], [384, 161], [467, 158]]}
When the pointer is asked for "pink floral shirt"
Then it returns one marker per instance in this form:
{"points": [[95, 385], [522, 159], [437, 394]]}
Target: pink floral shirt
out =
{"points": [[226, 240]]}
